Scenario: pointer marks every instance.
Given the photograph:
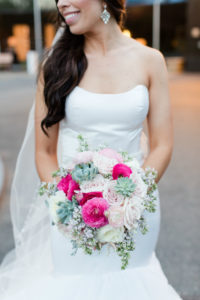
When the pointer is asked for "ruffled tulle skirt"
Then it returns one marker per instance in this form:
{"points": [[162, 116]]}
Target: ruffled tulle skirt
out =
{"points": [[139, 283]]}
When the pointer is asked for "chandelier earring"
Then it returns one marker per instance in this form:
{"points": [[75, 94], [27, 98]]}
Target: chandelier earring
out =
{"points": [[105, 15]]}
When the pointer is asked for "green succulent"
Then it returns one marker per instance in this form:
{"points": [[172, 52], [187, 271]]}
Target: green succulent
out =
{"points": [[125, 186], [84, 172], [65, 211]]}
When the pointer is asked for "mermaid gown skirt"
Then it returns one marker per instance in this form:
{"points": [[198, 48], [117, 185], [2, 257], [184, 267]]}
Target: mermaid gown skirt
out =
{"points": [[115, 120]]}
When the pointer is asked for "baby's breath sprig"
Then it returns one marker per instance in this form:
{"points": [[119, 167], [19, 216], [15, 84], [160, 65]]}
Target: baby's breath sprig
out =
{"points": [[125, 155], [62, 172], [149, 176], [47, 188], [84, 236], [143, 225], [107, 176], [101, 147], [124, 248], [83, 144]]}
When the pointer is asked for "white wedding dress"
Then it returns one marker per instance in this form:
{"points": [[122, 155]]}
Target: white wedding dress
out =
{"points": [[52, 273]]}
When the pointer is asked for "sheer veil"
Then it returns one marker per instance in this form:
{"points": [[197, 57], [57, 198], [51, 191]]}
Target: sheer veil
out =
{"points": [[31, 256]]}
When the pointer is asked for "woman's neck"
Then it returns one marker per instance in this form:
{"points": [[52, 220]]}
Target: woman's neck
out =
{"points": [[103, 38]]}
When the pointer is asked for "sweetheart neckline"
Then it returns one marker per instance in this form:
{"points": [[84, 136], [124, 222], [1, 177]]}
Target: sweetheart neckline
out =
{"points": [[113, 94]]}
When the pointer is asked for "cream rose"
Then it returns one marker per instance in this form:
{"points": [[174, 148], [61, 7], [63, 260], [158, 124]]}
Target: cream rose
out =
{"points": [[133, 209], [108, 234]]}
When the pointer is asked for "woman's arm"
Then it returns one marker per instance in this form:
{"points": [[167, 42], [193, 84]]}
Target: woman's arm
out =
{"points": [[45, 147], [159, 118]]}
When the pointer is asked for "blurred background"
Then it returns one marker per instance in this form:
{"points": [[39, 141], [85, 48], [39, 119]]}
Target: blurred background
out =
{"points": [[172, 26]]}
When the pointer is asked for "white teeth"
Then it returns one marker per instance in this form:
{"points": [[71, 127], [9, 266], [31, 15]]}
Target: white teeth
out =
{"points": [[71, 15]]}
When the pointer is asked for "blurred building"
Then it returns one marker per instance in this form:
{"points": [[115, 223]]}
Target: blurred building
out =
{"points": [[179, 28]]}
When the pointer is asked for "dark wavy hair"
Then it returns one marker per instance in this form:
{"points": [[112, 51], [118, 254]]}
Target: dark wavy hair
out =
{"points": [[65, 66]]}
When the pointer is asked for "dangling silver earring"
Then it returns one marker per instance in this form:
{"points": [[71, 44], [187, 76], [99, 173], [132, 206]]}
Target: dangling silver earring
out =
{"points": [[105, 15]]}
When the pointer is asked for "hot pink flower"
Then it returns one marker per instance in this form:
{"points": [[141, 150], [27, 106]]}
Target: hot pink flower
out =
{"points": [[68, 186], [110, 153], [121, 170], [73, 186], [93, 212], [88, 196], [63, 185]]}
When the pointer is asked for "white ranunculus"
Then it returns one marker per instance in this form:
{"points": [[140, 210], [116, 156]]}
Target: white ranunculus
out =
{"points": [[53, 204], [108, 234]]}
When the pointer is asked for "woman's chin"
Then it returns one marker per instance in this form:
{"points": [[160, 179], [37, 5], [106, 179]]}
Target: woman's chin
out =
{"points": [[76, 30]]}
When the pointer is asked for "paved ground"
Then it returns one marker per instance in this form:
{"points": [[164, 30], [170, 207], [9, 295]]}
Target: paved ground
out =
{"points": [[179, 242]]}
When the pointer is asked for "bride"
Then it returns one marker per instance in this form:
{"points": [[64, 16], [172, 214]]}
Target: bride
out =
{"points": [[98, 82]]}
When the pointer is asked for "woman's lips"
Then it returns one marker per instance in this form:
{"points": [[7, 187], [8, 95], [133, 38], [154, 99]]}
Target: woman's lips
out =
{"points": [[72, 17]]}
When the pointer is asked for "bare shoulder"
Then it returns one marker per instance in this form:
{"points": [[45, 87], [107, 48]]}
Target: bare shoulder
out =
{"points": [[155, 62], [153, 57], [151, 61]]}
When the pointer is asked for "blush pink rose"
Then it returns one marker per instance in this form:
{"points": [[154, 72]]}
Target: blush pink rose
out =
{"points": [[68, 186], [110, 153], [115, 215], [93, 212], [88, 196], [83, 157], [111, 195], [121, 170]]}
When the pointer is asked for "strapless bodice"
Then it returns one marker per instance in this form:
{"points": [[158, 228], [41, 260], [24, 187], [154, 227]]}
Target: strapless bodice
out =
{"points": [[112, 119]]}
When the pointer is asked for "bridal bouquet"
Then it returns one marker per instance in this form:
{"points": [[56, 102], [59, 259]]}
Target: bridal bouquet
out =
{"points": [[101, 199]]}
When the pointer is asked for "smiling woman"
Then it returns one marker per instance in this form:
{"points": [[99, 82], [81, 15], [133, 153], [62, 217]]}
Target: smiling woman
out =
{"points": [[96, 86]]}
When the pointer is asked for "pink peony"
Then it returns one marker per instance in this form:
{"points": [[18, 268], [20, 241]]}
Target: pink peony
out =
{"points": [[110, 153], [83, 157], [68, 186], [88, 196], [121, 170], [93, 212]]}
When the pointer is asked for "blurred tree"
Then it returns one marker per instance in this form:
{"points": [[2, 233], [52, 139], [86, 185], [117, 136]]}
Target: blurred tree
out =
{"points": [[25, 4], [17, 4]]}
